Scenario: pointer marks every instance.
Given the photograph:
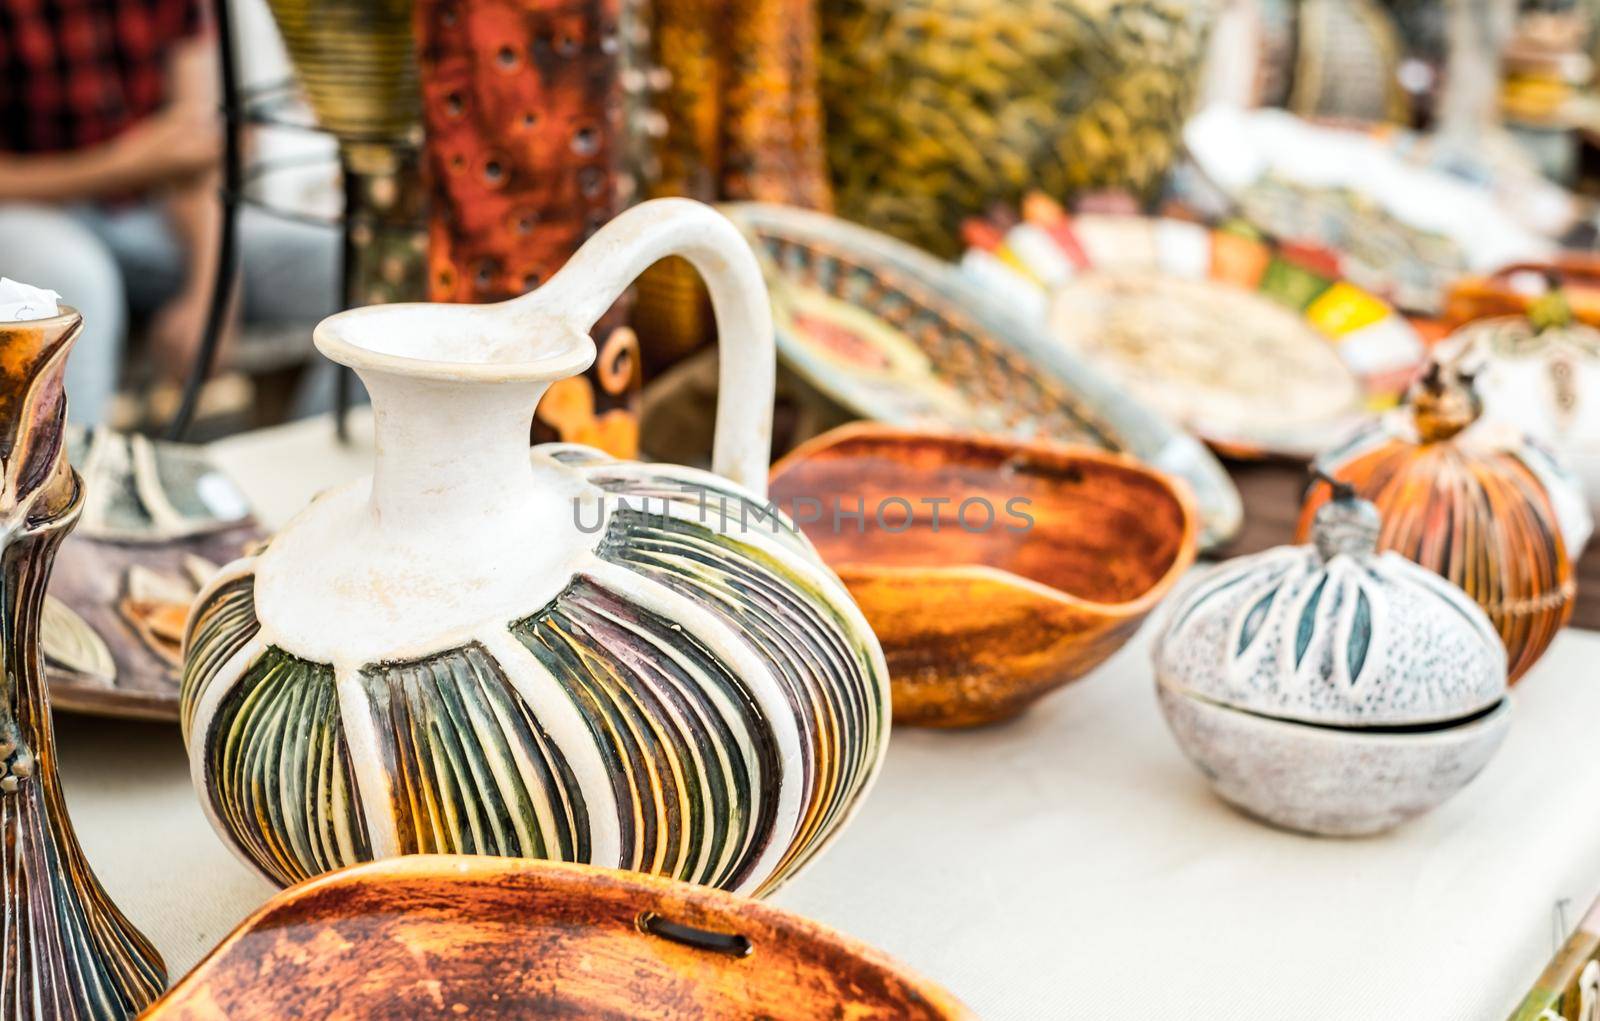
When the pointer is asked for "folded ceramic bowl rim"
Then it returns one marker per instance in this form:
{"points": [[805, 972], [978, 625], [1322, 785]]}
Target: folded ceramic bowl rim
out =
{"points": [[1142, 432], [684, 908], [964, 711]]}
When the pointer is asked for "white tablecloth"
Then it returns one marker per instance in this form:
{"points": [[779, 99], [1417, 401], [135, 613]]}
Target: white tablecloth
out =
{"points": [[1071, 863]]}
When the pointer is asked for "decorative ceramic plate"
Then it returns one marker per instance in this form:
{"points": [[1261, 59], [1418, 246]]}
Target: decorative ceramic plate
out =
{"points": [[434, 936], [159, 519], [1258, 348], [893, 334]]}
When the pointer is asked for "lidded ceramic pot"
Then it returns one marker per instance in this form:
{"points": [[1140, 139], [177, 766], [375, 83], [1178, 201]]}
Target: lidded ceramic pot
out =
{"points": [[1541, 373], [1474, 500], [552, 656], [1330, 688]]}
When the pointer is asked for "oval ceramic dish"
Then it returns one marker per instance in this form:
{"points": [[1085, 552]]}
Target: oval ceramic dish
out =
{"points": [[895, 335], [992, 570], [443, 937], [1257, 348]]}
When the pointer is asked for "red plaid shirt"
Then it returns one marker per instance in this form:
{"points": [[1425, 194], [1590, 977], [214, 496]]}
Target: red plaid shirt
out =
{"points": [[75, 73]]}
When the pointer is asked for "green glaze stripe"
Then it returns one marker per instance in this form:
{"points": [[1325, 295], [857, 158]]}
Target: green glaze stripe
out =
{"points": [[226, 624], [687, 769], [473, 770], [280, 770], [825, 678]]}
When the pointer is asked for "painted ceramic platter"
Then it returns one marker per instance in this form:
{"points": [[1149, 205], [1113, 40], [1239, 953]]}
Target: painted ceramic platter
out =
{"points": [[441, 937], [1258, 348], [893, 334], [159, 520]]}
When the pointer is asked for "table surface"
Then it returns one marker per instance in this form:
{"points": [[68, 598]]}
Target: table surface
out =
{"points": [[1068, 863]]}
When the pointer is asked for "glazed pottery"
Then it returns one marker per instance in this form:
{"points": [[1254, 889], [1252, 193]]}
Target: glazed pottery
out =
{"points": [[1404, 229], [158, 520], [574, 658], [68, 953], [1540, 371], [1515, 290], [937, 109], [992, 570], [435, 937], [890, 333], [1474, 501], [1259, 348], [527, 127], [1330, 688]]}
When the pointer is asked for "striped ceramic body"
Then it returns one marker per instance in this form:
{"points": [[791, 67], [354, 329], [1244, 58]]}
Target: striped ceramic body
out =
{"points": [[701, 701], [562, 656], [66, 952], [1475, 502]]}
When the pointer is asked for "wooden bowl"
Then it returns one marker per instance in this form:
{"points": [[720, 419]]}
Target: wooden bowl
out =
{"points": [[444, 936], [979, 623]]}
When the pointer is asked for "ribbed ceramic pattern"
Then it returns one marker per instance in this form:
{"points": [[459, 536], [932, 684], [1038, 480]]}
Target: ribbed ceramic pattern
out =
{"points": [[279, 770], [1481, 518], [683, 740], [448, 726], [69, 954], [225, 625], [700, 701]]}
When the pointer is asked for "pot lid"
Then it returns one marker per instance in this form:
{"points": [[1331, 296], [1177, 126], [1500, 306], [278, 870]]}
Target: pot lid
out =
{"points": [[1334, 633]]}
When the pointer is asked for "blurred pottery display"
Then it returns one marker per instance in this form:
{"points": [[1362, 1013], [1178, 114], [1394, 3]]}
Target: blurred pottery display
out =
{"points": [[892, 334], [1474, 501], [158, 520], [1515, 289], [571, 658], [1540, 372], [1346, 62], [1257, 348], [1329, 688], [937, 109], [524, 105], [1404, 229], [68, 952], [355, 60], [739, 119], [436, 937], [992, 570]]}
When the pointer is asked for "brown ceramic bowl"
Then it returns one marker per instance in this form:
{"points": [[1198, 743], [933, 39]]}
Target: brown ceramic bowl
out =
{"points": [[444, 936], [978, 623]]}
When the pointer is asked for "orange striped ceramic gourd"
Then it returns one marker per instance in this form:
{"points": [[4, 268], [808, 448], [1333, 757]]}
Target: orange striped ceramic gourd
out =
{"points": [[1474, 501]]}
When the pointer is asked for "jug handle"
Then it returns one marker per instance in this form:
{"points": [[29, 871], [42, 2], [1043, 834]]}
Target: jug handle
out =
{"points": [[628, 245]]}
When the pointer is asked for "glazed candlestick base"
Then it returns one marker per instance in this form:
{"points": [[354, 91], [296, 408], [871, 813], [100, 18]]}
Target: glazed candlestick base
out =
{"points": [[66, 952]]}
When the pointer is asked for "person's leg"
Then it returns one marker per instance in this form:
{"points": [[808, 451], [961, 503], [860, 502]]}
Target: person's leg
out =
{"points": [[49, 247]]}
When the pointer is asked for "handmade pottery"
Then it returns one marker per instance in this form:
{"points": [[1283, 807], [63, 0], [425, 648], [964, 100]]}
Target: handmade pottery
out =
{"points": [[158, 520], [1257, 347], [68, 952], [937, 109], [1330, 688], [1474, 501], [1514, 290], [992, 570], [526, 115], [892, 334], [573, 657], [437, 936], [1405, 230], [1540, 372]]}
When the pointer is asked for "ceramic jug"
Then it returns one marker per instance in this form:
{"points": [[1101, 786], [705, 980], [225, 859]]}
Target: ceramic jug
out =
{"points": [[558, 655]]}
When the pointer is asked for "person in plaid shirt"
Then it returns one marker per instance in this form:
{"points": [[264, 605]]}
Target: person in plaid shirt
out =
{"points": [[110, 150]]}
